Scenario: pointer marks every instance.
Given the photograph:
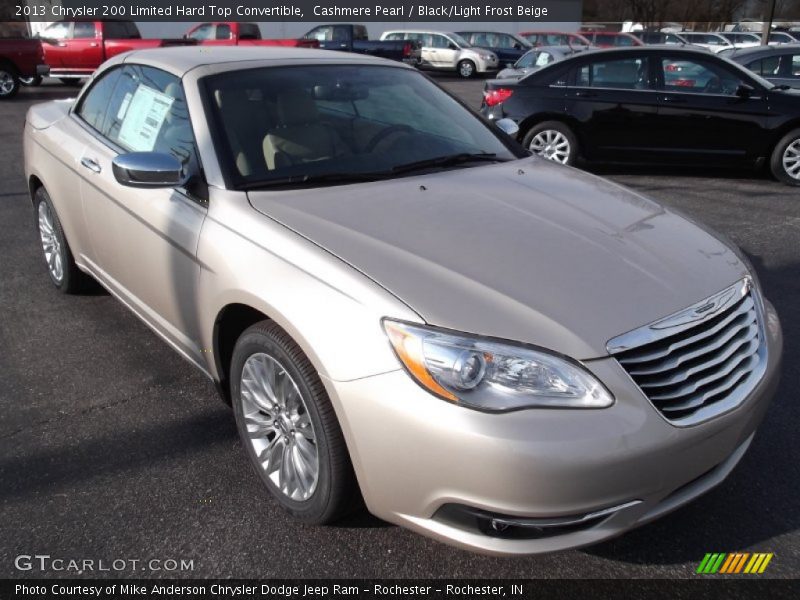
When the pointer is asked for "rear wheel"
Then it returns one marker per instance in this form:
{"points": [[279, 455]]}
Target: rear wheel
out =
{"points": [[785, 160], [553, 140], [9, 82], [288, 427], [466, 69], [61, 267]]}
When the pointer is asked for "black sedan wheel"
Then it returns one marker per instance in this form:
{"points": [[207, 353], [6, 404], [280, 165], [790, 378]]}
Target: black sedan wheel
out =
{"points": [[554, 141], [785, 161]]}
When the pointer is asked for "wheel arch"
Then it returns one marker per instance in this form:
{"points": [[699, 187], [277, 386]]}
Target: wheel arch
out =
{"points": [[34, 183], [530, 122], [780, 132]]}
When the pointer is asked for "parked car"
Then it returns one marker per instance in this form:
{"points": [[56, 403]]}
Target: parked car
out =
{"points": [[537, 58], [741, 39], [354, 38], [713, 42], [233, 33], [612, 39], [782, 37], [74, 49], [659, 37], [555, 38], [508, 47], [359, 266], [653, 105], [777, 64], [19, 58], [444, 51]]}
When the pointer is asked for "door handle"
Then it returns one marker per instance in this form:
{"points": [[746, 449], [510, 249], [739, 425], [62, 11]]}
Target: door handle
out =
{"points": [[674, 99], [61, 44], [93, 45], [585, 94], [92, 165]]}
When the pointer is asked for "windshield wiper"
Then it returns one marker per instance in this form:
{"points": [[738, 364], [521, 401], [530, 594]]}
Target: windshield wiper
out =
{"points": [[301, 180], [447, 161]]}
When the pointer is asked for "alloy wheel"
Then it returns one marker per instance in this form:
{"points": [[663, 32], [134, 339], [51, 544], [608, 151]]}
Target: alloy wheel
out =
{"points": [[50, 243], [791, 159], [466, 69], [6, 83], [552, 145], [279, 427]]}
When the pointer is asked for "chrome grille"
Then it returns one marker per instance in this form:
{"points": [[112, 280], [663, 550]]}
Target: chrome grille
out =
{"points": [[701, 361]]}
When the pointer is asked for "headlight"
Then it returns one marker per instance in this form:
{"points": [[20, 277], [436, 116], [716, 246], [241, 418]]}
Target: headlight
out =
{"points": [[490, 375], [487, 56]]}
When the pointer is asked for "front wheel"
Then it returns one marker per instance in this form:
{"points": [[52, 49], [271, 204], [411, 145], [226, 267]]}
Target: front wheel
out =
{"points": [[785, 160], [466, 69], [288, 427], [61, 267], [553, 140], [9, 82]]}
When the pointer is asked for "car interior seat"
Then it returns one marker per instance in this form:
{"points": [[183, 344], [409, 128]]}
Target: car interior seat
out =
{"points": [[300, 135]]}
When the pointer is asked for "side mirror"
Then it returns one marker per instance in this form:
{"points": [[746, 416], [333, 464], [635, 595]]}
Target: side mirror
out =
{"points": [[148, 170], [452, 46], [511, 65], [508, 127], [745, 90]]}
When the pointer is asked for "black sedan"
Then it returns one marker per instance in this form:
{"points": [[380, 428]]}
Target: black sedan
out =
{"points": [[778, 64], [657, 104]]}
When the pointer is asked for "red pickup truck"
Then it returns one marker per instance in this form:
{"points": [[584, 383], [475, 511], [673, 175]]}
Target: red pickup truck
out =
{"points": [[240, 34], [74, 49], [19, 57]]}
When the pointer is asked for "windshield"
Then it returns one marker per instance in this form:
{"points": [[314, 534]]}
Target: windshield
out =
{"points": [[460, 40], [295, 125]]}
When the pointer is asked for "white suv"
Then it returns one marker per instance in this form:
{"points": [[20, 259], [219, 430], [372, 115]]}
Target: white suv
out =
{"points": [[449, 52]]}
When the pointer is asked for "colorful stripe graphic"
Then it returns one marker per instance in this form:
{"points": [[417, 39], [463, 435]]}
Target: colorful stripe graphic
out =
{"points": [[734, 563]]}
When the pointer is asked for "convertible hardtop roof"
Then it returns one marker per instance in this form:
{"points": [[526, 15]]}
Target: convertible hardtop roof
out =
{"points": [[179, 60]]}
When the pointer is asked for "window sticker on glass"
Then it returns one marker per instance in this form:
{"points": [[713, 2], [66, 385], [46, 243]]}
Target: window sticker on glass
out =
{"points": [[146, 113]]}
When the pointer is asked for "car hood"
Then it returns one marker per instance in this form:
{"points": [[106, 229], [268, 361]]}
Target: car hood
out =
{"points": [[525, 250]]}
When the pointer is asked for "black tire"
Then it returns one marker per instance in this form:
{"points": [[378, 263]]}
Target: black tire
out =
{"points": [[9, 81], [466, 69], [335, 493], [72, 280], [555, 126], [71, 81], [782, 150], [34, 81]]}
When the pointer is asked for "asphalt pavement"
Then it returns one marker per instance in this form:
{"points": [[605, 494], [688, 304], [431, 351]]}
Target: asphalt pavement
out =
{"points": [[112, 447]]}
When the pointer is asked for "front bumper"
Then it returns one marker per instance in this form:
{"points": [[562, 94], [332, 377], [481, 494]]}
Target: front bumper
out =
{"points": [[487, 66], [416, 457]]}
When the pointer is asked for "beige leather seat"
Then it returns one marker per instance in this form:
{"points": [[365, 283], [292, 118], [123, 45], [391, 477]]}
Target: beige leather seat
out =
{"points": [[300, 136], [243, 128]]}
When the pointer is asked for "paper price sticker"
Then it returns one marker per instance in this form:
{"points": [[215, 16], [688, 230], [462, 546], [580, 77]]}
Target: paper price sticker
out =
{"points": [[145, 115]]}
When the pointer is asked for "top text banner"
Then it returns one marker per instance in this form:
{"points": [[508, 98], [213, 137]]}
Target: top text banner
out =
{"points": [[299, 10]]}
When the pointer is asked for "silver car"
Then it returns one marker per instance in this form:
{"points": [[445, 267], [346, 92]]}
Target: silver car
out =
{"points": [[538, 57], [494, 350], [447, 51]]}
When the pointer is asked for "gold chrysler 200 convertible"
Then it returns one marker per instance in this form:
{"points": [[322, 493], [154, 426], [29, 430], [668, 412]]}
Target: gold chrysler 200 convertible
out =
{"points": [[497, 351]]}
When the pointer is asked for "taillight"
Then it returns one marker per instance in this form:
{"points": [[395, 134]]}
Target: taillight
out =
{"points": [[684, 83], [406, 50], [498, 96]]}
